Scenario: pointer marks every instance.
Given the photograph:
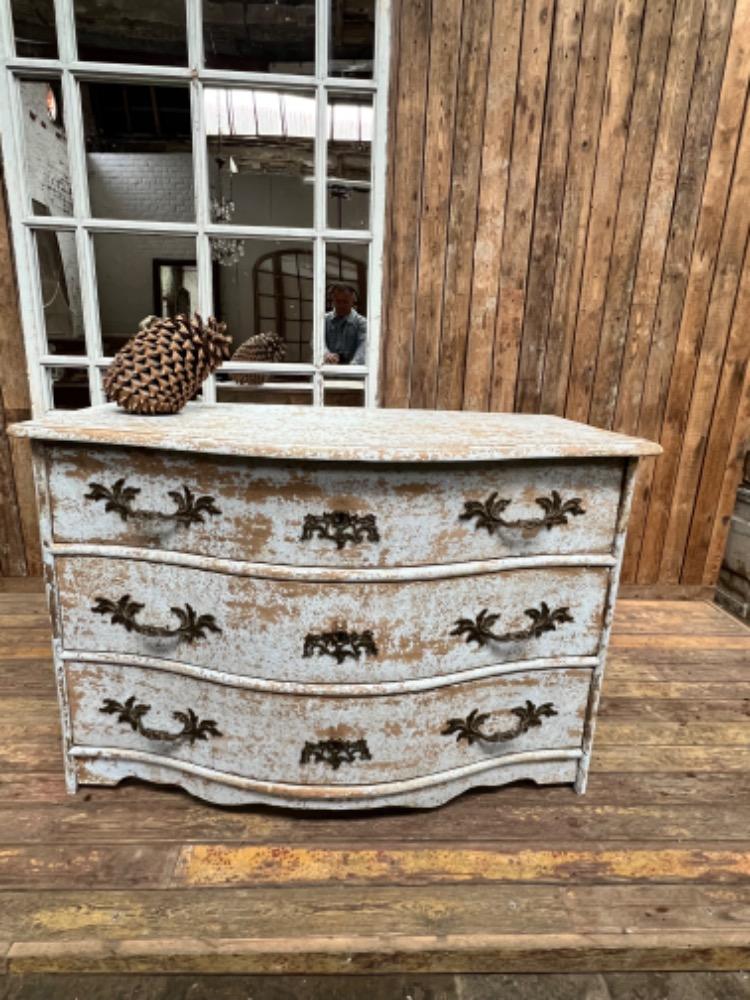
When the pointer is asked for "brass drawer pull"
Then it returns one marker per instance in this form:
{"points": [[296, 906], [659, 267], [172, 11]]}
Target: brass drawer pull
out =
{"points": [[190, 509], [191, 625], [470, 728], [339, 644], [340, 527], [489, 514], [335, 752], [131, 713], [479, 629]]}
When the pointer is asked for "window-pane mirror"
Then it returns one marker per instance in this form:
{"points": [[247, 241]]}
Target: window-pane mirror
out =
{"points": [[68, 387], [265, 287], [351, 42], [34, 28], [260, 37], [139, 276], [138, 151], [131, 32], [60, 291], [345, 331], [261, 153], [349, 161], [45, 147]]}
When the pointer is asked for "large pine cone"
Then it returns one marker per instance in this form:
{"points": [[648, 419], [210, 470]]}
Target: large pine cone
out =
{"points": [[261, 347], [164, 364]]}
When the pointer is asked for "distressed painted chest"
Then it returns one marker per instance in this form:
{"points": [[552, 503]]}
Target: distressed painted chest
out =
{"points": [[329, 608]]}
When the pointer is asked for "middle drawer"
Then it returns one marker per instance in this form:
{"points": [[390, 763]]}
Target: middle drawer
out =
{"points": [[333, 631]]}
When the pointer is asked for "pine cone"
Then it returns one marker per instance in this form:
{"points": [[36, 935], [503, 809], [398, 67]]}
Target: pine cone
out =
{"points": [[261, 347], [164, 364]]}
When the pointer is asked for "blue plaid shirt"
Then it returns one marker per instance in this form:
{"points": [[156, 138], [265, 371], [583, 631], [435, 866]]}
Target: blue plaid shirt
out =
{"points": [[346, 336]]}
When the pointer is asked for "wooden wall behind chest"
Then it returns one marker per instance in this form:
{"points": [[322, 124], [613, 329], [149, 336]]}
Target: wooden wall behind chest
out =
{"points": [[567, 232], [19, 531]]}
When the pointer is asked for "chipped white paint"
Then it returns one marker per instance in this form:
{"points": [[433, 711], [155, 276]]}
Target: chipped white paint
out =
{"points": [[262, 507], [264, 622], [339, 433], [106, 766], [267, 467], [263, 736], [332, 690]]}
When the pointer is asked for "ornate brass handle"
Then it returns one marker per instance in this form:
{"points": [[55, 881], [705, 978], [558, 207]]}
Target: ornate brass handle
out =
{"points": [[470, 728], [191, 625], [479, 629], [131, 713], [119, 498], [341, 527], [335, 752], [339, 644], [489, 513]]}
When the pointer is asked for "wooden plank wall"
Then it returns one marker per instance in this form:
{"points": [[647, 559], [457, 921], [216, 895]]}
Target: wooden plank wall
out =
{"points": [[567, 232], [19, 532]]}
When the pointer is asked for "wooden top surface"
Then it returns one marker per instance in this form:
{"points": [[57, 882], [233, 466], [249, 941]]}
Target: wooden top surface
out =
{"points": [[649, 870], [339, 433]]}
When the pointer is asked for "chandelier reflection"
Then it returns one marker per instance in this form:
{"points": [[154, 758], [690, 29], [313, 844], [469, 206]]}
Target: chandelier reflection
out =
{"points": [[225, 250]]}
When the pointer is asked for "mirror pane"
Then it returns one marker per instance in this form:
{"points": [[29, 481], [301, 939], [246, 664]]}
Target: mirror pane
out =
{"points": [[281, 389], [139, 276], [46, 167], [346, 304], [34, 28], [263, 287], [69, 388], [138, 151], [343, 392], [261, 154], [127, 32], [349, 161], [60, 290], [352, 38], [260, 37]]}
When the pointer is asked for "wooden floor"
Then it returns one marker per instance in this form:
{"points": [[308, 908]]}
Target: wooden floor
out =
{"points": [[649, 870]]}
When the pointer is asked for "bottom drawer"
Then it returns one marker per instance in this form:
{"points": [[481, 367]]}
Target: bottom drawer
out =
{"points": [[319, 740]]}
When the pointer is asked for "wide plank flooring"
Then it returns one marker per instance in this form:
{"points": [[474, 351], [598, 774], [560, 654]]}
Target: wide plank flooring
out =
{"points": [[649, 870]]}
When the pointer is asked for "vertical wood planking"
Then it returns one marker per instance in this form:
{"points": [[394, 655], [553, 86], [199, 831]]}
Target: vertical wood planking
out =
{"points": [[529, 114], [623, 58], [589, 101], [718, 455], [436, 184], [732, 474], [551, 189], [406, 143], [671, 210], [464, 192], [642, 129], [672, 222], [726, 133], [712, 347], [497, 141]]}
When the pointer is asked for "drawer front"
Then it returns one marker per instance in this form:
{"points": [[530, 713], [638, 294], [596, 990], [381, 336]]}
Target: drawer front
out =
{"points": [[330, 514], [323, 740], [297, 630]]}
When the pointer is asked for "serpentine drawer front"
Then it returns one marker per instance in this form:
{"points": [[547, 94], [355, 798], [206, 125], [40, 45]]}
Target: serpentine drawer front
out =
{"points": [[317, 740], [325, 514], [314, 607], [331, 631]]}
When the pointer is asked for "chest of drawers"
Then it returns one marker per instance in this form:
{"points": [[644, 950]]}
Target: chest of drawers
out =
{"points": [[329, 608]]}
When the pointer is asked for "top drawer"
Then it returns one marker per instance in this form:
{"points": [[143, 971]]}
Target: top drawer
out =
{"points": [[330, 513]]}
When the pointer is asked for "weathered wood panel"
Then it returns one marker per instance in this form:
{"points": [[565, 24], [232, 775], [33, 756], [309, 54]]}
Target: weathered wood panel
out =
{"points": [[607, 246], [19, 537]]}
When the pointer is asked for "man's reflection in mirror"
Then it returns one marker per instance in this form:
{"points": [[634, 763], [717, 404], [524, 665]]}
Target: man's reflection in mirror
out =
{"points": [[346, 329]]}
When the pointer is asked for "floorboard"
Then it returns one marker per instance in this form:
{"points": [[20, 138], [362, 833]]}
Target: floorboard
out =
{"points": [[649, 870]]}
